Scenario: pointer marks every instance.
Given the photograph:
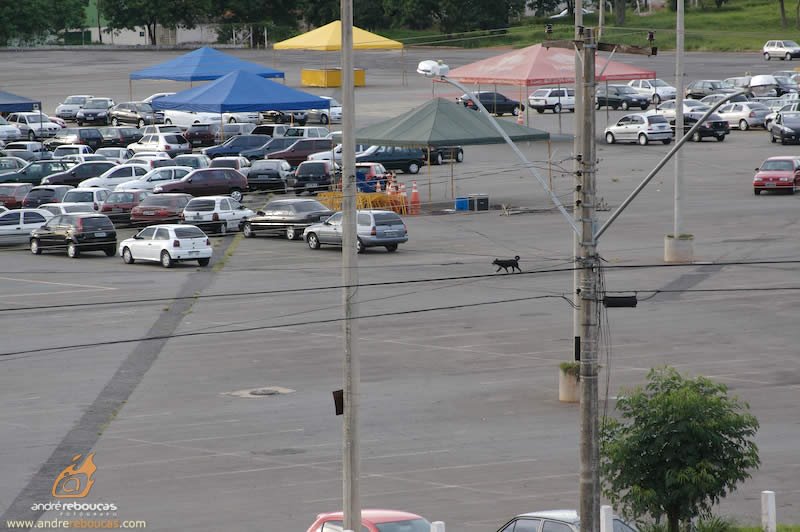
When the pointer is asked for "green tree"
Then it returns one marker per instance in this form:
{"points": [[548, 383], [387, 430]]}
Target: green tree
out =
{"points": [[34, 18], [468, 15], [131, 14], [680, 446]]}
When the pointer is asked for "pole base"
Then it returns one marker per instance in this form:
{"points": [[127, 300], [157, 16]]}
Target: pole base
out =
{"points": [[679, 250], [569, 388]]}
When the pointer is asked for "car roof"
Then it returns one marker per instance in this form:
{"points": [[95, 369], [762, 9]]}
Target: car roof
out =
{"points": [[210, 197], [44, 187], [377, 515], [570, 516], [89, 189], [293, 200]]}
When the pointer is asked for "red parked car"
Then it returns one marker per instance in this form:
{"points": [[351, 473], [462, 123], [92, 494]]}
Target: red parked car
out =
{"points": [[778, 173], [118, 205], [159, 209], [374, 521], [208, 182], [203, 135], [12, 194]]}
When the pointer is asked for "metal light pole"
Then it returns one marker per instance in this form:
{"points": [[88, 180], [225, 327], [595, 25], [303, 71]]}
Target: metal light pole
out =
{"points": [[352, 373], [577, 147]]}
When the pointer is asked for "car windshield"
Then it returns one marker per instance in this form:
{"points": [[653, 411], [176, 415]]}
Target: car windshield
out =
{"points": [[144, 108], [791, 121], [75, 196], [86, 207], [95, 223], [791, 44], [266, 164], [201, 205], [758, 107], [309, 206], [96, 104], [8, 164], [199, 127], [280, 143], [541, 93], [75, 100], [387, 218], [37, 118], [42, 193], [730, 84], [312, 169], [716, 84], [7, 191], [656, 119], [658, 83], [66, 151], [778, 165], [410, 525], [626, 90], [159, 201], [120, 197], [224, 163], [693, 103], [189, 231]]}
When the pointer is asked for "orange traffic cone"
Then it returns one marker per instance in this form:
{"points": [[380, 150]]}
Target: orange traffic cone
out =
{"points": [[520, 121], [404, 196], [415, 204]]}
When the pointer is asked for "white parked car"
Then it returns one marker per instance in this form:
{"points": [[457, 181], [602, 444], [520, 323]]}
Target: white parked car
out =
{"points": [[658, 90], [326, 116], [336, 153], [744, 115], [119, 155], [160, 128], [216, 213], [195, 160], [667, 109], [67, 208], [71, 149], [167, 244], [9, 132], [67, 109], [116, 176], [188, 118], [16, 224], [787, 50], [33, 125], [156, 96], [155, 177], [317, 132], [170, 143], [552, 99], [640, 128], [94, 196]]}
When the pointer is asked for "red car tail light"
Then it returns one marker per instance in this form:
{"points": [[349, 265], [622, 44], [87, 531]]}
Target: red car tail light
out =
{"points": [[752, 114], [374, 231], [96, 206], [163, 212], [167, 147], [176, 243]]}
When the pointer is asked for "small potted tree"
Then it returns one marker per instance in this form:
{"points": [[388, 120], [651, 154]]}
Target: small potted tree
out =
{"points": [[569, 390]]}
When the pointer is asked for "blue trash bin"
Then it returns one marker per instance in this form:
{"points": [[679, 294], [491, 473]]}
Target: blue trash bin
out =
{"points": [[462, 204]]}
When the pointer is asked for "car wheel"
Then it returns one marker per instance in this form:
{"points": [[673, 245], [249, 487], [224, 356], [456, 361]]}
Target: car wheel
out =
{"points": [[460, 156], [772, 138], [72, 250], [666, 141], [140, 123], [35, 249], [540, 111], [756, 192], [610, 138], [115, 121], [166, 260], [236, 194], [292, 233], [788, 56], [203, 262], [720, 138], [110, 251], [439, 159], [32, 135], [515, 111], [696, 137], [359, 246], [783, 141], [557, 108], [643, 141], [656, 99], [247, 230], [645, 106], [743, 125], [767, 124], [231, 120], [168, 122], [324, 119], [625, 106], [597, 105], [412, 168], [766, 56], [391, 248], [127, 256], [615, 107], [312, 240]]}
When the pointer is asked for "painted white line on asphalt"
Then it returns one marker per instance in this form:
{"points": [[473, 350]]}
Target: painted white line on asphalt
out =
{"points": [[150, 415], [171, 426], [76, 285], [34, 294], [225, 436]]}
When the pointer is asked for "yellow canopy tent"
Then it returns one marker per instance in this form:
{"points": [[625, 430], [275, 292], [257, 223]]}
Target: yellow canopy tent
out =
{"points": [[328, 38]]}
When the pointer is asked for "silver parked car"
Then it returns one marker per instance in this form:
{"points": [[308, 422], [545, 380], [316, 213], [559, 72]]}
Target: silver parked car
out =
{"points": [[555, 521], [781, 50], [641, 128], [375, 229], [744, 115], [656, 89], [787, 107]]}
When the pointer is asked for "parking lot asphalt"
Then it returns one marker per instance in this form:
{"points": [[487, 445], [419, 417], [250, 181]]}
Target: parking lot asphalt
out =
{"points": [[460, 418]]}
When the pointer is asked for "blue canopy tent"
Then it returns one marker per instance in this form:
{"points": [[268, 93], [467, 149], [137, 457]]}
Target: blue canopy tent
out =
{"points": [[240, 92], [203, 64], [11, 103]]}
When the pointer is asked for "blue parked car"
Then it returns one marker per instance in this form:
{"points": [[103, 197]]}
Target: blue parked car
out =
{"points": [[237, 144]]}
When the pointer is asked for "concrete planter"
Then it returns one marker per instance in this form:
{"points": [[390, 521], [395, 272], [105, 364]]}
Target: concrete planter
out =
{"points": [[569, 386], [679, 250]]}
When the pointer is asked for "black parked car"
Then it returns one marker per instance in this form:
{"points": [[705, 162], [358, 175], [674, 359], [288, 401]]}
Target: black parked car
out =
{"points": [[235, 145], [494, 102], [79, 172], [276, 144], [715, 126], [286, 216], [139, 113], [90, 136], [76, 233], [702, 88], [409, 160], [312, 177], [620, 96], [203, 135], [785, 128], [119, 137], [269, 174], [440, 154], [34, 171], [298, 118]]}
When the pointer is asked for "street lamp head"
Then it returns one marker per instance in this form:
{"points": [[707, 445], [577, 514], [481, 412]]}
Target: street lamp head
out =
{"points": [[432, 69]]}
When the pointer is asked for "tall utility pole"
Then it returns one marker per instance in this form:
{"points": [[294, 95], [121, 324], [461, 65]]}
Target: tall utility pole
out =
{"points": [[588, 272], [577, 147], [352, 374], [677, 230]]}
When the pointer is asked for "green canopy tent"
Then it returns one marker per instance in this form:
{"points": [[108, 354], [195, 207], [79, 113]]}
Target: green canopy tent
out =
{"points": [[440, 122]]}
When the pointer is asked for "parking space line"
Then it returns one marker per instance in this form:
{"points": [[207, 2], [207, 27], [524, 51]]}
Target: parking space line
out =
{"points": [[77, 285]]}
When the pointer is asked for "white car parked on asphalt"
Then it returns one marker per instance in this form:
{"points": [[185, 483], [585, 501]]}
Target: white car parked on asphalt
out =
{"points": [[154, 177], [67, 208], [16, 225], [217, 213], [167, 244], [67, 109], [94, 196], [640, 128], [552, 99], [116, 176], [658, 90]]}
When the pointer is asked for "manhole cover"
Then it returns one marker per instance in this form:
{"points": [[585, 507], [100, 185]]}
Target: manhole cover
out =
{"points": [[255, 393]]}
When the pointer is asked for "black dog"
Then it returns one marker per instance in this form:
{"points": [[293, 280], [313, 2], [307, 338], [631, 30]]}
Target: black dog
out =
{"points": [[507, 263]]}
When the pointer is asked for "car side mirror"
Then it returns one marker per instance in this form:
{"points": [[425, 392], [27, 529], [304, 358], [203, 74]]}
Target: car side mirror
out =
{"points": [[137, 237], [260, 213], [241, 207], [189, 180]]}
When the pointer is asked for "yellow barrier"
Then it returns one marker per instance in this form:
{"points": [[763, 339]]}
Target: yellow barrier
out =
{"points": [[365, 200]]}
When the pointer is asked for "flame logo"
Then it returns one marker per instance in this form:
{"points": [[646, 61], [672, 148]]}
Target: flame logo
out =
{"points": [[75, 481]]}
